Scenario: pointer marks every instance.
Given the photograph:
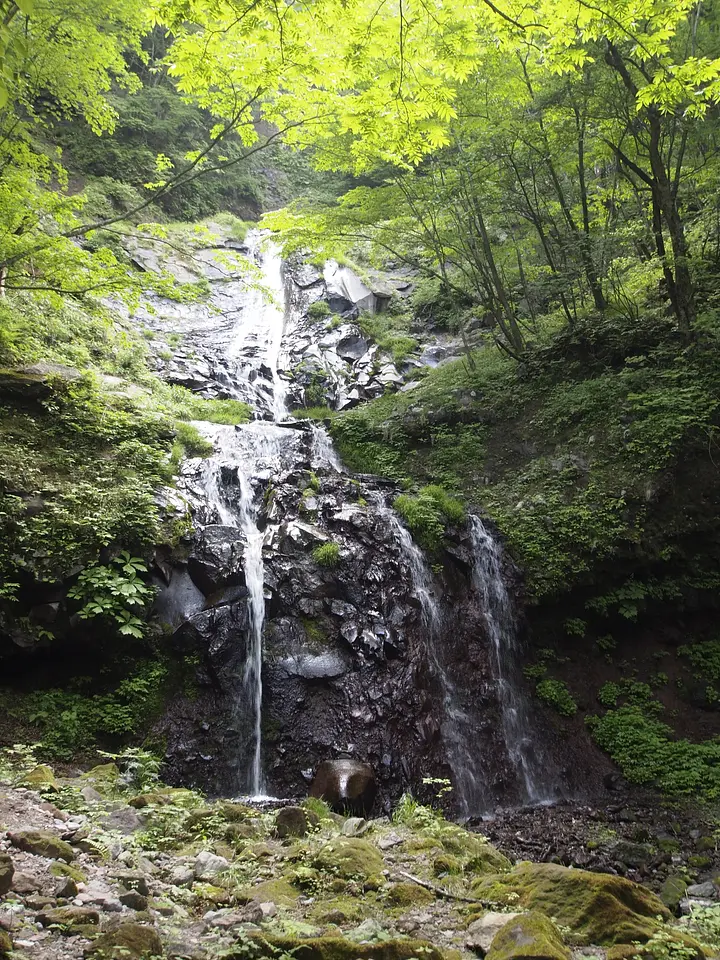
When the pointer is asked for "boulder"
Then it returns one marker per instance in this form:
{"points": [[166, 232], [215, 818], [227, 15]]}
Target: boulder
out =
{"points": [[352, 347], [600, 908], [673, 891], [217, 559], [531, 936], [337, 948], [43, 844], [482, 932], [293, 822], [208, 866], [350, 859], [69, 918], [6, 873], [346, 785], [40, 776], [128, 941]]}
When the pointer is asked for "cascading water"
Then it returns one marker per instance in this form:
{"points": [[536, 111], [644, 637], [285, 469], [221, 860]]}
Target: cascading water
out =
{"points": [[500, 618], [252, 452]]}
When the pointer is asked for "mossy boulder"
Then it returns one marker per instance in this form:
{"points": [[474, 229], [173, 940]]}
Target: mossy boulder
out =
{"points": [[67, 870], [128, 941], [350, 859], [6, 873], [278, 891], [294, 822], [531, 936], [40, 777], [599, 908], [70, 919], [43, 844], [6, 944], [103, 775], [672, 892], [409, 895], [235, 812], [334, 948], [445, 864]]}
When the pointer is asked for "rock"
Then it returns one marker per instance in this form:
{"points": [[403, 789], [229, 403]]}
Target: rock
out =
{"points": [[269, 910], [481, 933], [352, 348], [6, 944], [350, 859], [129, 941], [410, 895], [40, 776], [600, 908], [250, 913], [347, 785], [369, 931], [133, 900], [707, 890], [69, 918], [530, 935], [133, 880], [182, 876], [217, 559], [208, 866], [125, 821], [90, 794], [7, 870], [43, 844], [19, 386], [390, 840], [672, 892], [66, 870], [293, 822], [355, 827], [66, 889], [341, 948]]}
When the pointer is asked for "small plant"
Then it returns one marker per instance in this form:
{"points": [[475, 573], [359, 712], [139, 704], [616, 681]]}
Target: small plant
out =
{"points": [[193, 442], [116, 591], [327, 555], [319, 310], [556, 695], [140, 768]]}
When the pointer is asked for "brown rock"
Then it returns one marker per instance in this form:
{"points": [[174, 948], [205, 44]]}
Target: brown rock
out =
{"points": [[347, 785]]}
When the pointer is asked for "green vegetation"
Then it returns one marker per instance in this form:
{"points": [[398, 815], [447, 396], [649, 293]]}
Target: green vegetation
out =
{"points": [[116, 592], [319, 309], [556, 695], [327, 555], [427, 512]]}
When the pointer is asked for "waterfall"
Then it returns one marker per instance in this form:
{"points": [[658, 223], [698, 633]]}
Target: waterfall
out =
{"points": [[323, 453], [250, 453], [498, 611]]}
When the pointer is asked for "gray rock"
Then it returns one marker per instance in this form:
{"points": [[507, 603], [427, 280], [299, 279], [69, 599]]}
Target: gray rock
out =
{"points": [[126, 820], [208, 866], [707, 890], [7, 870], [133, 900], [481, 933], [352, 347], [292, 822], [355, 827]]}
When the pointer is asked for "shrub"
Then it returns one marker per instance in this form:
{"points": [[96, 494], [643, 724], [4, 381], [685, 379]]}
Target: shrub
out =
{"points": [[556, 695], [319, 310], [116, 592], [327, 555], [427, 512], [193, 442]]}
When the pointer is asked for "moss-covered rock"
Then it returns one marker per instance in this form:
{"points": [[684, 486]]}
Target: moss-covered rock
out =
{"points": [[672, 892], [69, 919], [43, 844], [6, 944], [106, 774], [128, 941], [40, 777], [6, 873], [294, 822], [280, 891], [67, 870], [531, 936], [408, 895], [446, 863], [600, 908], [235, 812], [335, 948], [350, 859]]}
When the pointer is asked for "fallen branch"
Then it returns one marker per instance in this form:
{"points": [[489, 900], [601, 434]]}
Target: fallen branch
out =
{"points": [[443, 893]]}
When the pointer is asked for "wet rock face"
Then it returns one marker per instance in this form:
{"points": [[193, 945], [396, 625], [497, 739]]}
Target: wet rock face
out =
{"points": [[348, 786]]}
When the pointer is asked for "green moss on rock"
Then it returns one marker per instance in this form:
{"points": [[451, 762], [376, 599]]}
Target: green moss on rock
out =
{"points": [[350, 859], [129, 941], [600, 908], [39, 777], [6, 873], [67, 870], [43, 844], [69, 919], [531, 936], [409, 895], [6, 944], [334, 948], [280, 891]]}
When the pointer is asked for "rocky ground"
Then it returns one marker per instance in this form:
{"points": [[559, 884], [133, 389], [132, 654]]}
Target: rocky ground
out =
{"points": [[92, 868]]}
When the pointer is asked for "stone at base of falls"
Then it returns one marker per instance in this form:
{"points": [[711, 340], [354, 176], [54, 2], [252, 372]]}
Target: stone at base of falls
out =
{"points": [[348, 786], [598, 907], [294, 822], [208, 866], [530, 936], [43, 844], [216, 560], [482, 932], [336, 948], [129, 941]]}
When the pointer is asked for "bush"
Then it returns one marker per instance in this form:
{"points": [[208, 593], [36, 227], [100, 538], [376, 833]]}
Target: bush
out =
{"points": [[556, 695], [427, 513], [319, 310], [327, 555], [193, 442]]}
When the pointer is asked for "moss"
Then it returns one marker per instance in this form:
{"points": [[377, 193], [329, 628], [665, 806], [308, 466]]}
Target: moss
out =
{"points": [[339, 910], [350, 859], [103, 773], [280, 891], [43, 844], [129, 941], [600, 908], [6, 944], [235, 812], [409, 895], [531, 936], [334, 948], [445, 864], [70, 919], [40, 776], [59, 869], [672, 892]]}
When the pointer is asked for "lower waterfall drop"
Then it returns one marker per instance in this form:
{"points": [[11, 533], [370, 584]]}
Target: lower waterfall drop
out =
{"points": [[500, 618]]}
